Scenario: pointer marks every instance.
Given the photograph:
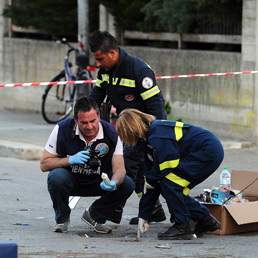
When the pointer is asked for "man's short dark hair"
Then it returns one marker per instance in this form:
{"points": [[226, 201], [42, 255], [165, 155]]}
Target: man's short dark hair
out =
{"points": [[85, 104], [103, 41]]}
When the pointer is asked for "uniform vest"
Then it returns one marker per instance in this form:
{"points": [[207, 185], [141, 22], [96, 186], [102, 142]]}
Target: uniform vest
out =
{"points": [[69, 144]]}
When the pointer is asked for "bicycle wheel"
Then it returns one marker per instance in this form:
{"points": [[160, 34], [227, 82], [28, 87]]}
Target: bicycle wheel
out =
{"points": [[57, 102]]}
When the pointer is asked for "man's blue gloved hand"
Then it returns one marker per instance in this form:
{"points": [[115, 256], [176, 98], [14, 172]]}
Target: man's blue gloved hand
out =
{"points": [[79, 158], [111, 187]]}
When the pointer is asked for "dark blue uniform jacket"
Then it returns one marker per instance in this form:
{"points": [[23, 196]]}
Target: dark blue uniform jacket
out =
{"points": [[168, 143], [131, 84]]}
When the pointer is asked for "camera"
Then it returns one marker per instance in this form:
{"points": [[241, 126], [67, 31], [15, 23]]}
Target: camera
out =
{"points": [[94, 161]]}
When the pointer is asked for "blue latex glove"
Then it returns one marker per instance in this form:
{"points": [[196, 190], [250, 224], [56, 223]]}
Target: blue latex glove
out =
{"points": [[79, 158], [111, 187]]}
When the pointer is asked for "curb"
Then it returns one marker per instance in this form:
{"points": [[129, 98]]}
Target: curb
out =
{"points": [[236, 145], [20, 150], [27, 151]]}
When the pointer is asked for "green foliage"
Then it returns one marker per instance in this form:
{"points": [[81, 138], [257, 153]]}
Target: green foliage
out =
{"points": [[167, 15], [178, 16], [181, 16], [59, 17], [127, 13], [56, 17]]}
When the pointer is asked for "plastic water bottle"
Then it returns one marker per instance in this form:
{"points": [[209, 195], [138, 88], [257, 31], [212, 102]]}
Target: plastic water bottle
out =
{"points": [[225, 177]]}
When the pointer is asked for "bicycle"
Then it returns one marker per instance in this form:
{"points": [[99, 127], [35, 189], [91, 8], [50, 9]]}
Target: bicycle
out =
{"points": [[58, 100]]}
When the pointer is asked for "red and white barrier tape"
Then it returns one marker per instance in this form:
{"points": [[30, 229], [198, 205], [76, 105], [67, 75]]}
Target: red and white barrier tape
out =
{"points": [[94, 81], [45, 83], [203, 75]]}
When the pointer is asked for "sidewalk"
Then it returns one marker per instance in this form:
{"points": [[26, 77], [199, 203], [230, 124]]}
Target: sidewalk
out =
{"points": [[24, 135]]}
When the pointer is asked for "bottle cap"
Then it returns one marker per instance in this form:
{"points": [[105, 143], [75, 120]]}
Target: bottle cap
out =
{"points": [[225, 168]]}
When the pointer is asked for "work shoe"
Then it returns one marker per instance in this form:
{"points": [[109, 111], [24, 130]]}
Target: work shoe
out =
{"points": [[100, 228], [176, 232], [208, 223], [117, 215], [62, 228], [158, 215]]}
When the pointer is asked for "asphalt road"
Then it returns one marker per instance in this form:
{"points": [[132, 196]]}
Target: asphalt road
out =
{"points": [[25, 199]]}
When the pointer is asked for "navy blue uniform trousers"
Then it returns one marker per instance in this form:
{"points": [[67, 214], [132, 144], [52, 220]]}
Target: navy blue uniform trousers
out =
{"points": [[197, 165]]}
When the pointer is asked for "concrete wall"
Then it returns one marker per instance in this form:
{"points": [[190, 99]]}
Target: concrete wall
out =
{"points": [[2, 33], [220, 103], [249, 62], [207, 101], [225, 105], [106, 20], [28, 61]]}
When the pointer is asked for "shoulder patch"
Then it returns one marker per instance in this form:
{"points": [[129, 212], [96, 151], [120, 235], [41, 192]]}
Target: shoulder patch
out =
{"points": [[147, 83]]}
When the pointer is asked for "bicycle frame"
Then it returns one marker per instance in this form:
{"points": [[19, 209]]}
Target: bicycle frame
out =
{"points": [[58, 99], [69, 77]]}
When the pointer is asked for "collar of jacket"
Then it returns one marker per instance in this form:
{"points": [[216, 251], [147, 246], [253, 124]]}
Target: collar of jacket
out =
{"points": [[122, 56]]}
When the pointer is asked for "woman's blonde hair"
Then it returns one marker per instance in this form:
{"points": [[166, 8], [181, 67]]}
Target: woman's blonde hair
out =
{"points": [[132, 123]]}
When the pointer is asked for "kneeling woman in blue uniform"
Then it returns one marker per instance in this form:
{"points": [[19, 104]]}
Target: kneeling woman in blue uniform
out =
{"points": [[178, 157]]}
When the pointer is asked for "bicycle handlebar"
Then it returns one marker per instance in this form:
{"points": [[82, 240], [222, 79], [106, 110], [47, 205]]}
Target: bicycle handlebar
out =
{"points": [[81, 59], [65, 42]]}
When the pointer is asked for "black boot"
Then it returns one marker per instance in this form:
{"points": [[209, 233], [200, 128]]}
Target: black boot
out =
{"points": [[177, 232], [158, 215], [208, 223]]}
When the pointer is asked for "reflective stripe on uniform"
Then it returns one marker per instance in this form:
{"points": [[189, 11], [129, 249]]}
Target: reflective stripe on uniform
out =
{"points": [[139, 195], [178, 180], [127, 83], [179, 130], [98, 82], [174, 163], [105, 78], [169, 164], [124, 82], [151, 92], [186, 191]]}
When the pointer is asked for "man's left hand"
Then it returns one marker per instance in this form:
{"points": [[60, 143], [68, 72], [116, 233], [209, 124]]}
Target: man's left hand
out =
{"points": [[111, 187]]}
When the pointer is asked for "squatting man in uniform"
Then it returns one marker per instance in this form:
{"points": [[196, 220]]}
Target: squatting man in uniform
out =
{"points": [[179, 156], [79, 149], [127, 82]]}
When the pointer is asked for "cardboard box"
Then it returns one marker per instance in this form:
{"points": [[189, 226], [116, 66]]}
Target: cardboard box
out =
{"points": [[240, 217]]}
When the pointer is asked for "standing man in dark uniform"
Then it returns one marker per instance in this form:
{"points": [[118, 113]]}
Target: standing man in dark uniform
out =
{"points": [[127, 82]]}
